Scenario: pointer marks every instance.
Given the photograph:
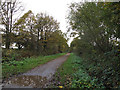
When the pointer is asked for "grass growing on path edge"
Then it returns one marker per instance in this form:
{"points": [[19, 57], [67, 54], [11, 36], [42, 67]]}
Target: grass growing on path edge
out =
{"points": [[64, 73], [72, 74], [18, 67]]}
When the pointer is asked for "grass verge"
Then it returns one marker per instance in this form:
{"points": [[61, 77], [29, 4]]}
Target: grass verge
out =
{"points": [[73, 74], [17, 67]]}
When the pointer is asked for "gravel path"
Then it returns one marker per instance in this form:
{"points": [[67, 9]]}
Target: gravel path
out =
{"points": [[37, 77]]}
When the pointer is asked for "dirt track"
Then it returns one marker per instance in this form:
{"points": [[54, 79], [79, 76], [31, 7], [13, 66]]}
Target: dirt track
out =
{"points": [[37, 77]]}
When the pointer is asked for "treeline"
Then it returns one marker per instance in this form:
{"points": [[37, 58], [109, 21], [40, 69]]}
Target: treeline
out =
{"points": [[98, 43], [38, 34]]}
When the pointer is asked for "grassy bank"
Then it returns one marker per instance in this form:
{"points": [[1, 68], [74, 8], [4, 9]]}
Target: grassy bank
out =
{"points": [[16, 67], [73, 74]]}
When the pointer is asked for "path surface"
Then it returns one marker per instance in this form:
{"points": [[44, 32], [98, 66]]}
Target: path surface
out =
{"points": [[37, 77]]}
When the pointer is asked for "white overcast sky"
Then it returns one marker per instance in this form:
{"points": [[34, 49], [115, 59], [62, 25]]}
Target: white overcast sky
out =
{"points": [[56, 8]]}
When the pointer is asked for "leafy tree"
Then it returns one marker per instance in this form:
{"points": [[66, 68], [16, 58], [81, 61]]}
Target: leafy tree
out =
{"points": [[57, 42], [25, 31], [87, 19], [39, 34], [97, 25], [111, 19], [45, 26]]}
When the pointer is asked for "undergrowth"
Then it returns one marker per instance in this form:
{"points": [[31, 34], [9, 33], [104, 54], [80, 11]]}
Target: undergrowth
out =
{"points": [[73, 74]]}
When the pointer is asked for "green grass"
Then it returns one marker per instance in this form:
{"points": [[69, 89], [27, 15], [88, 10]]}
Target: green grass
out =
{"points": [[66, 69], [17, 67], [64, 73], [73, 74]]}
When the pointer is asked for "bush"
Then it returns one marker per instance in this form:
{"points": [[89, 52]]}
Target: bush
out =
{"points": [[77, 72], [11, 55], [105, 67]]}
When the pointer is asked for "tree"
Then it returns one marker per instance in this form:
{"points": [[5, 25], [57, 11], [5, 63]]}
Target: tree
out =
{"points": [[57, 42], [111, 18], [7, 11], [25, 33], [87, 19], [39, 33], [45, 26], [98, 43]]}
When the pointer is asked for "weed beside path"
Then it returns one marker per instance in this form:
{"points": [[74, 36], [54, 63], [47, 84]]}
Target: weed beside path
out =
{"points": [[73, 74], [37, 77], [17, 67]]}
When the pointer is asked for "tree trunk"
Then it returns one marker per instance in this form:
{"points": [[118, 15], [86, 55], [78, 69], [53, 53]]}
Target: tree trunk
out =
{"points": [[7, 30]]}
